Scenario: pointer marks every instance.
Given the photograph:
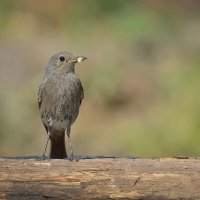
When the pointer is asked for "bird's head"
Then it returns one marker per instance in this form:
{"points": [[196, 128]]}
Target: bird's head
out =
{"points": [[63, 62]]}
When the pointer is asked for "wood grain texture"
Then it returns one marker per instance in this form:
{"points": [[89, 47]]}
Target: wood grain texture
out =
{"points": [[107, 178]]}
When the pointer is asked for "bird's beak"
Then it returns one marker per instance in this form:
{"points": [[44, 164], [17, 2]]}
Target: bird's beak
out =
{"points": [[80, 58]]}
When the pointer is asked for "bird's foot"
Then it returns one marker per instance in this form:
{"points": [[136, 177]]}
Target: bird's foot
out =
{"points": [[44, 157], [41, 158], [74, 158]]}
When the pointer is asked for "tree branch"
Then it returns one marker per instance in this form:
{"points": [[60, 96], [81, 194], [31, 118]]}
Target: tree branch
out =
{"points": [[100, 178]]}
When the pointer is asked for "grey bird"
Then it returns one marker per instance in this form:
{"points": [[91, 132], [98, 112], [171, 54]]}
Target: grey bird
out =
{"points": [[59, 98]]}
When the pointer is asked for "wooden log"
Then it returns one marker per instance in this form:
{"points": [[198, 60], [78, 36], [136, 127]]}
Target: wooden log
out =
{"points": [[101, 178]]}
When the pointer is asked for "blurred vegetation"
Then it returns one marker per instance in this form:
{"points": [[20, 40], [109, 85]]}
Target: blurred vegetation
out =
{"points": [[141, 80]]}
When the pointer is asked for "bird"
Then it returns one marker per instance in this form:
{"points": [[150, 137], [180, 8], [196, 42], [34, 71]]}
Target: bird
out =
{"points": [[59, 97]]}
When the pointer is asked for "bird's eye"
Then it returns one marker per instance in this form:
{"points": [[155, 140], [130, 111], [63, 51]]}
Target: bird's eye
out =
{"points": [[62, 58]]}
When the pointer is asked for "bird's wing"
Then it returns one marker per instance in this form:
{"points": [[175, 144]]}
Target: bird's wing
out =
{"points": [[40, 91], [40, 95], [82, 94]]}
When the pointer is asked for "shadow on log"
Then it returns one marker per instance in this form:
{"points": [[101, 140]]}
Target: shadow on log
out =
{"points": [[100, 178]]}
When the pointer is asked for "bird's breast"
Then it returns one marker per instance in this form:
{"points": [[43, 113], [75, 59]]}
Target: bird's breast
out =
{"points": [[61, 102]]}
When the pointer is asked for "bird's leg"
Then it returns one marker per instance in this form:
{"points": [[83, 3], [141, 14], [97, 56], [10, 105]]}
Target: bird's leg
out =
{"points": [[67, 131], [70, 146], [43, 155]]}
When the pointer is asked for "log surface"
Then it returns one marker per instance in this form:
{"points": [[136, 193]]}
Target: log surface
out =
{"points": [[107, 178]]}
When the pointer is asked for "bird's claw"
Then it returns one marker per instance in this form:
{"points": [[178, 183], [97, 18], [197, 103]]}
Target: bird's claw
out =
{"points": [[73, 158], [44, 157]]}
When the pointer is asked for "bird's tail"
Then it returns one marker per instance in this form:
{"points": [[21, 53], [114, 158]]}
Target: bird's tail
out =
{"points": [[58, 150]]}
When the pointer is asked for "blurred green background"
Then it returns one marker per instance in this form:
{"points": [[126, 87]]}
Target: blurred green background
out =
{"points": [[141, 79]]}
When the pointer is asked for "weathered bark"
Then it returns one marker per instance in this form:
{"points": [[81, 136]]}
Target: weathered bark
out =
{"points": [[106, 178]]}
